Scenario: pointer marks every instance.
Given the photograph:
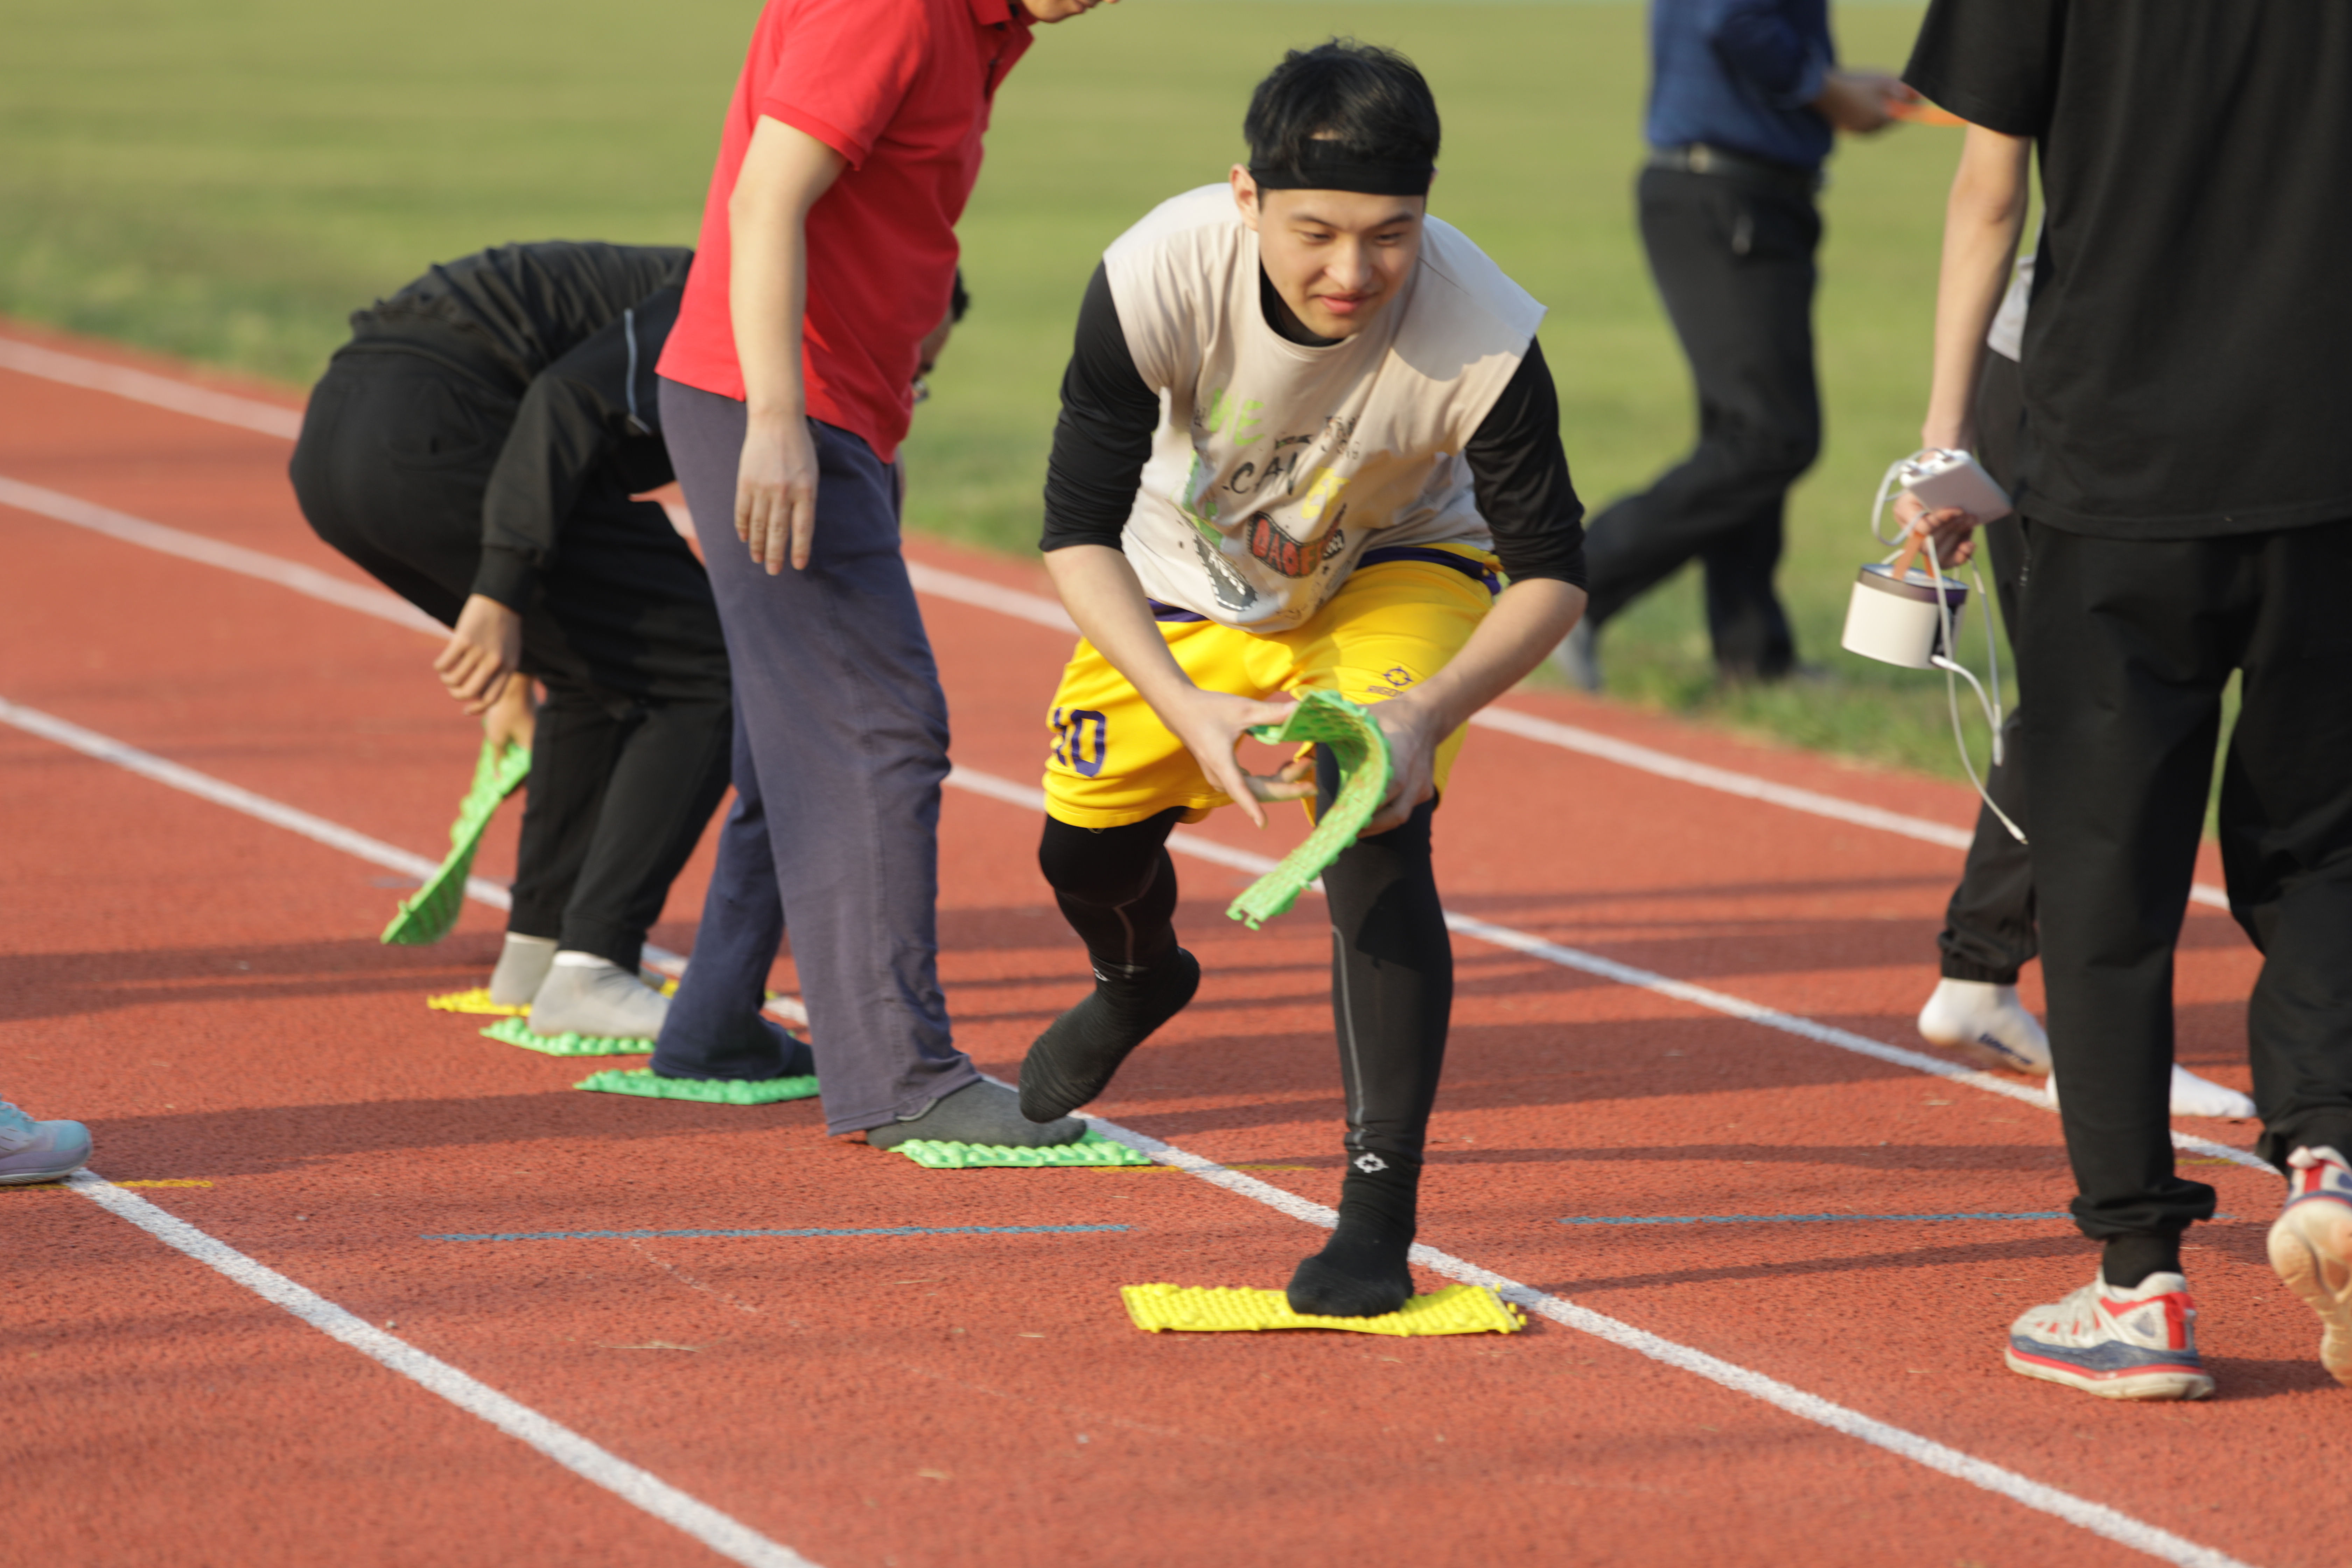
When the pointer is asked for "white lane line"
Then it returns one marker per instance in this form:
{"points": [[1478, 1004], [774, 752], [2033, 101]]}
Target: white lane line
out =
{"points": [[941, 583], [318, 829], [1202, 848], [2091, 1516], [142, 386], [1046, 612], [2081, 1512], [1027, 797], [641, 1488], [220, 792], [305, 580], [1037, 608], [1682, 770]]}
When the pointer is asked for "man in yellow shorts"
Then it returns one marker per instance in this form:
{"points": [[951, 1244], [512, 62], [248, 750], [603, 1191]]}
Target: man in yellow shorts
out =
{"points": [[1305, 432]]}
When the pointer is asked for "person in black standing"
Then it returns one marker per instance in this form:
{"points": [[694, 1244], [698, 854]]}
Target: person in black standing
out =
{"points": [[1989, 927], [2186, 492], [1745, 98], [475, 447]]}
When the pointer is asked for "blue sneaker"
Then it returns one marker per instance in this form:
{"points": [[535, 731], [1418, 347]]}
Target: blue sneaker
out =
{"points": [[33, 1150], [2139, 1343]]}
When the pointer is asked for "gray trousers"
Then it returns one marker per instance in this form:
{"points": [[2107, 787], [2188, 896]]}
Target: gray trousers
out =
{"points": [[846, 732]]}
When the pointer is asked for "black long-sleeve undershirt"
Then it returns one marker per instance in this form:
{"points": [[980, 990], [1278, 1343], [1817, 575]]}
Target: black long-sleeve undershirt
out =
{"points": [[1518, 469]]}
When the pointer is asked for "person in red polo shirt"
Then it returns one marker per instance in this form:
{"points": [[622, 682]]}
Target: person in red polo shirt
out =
{"points": [[829, 254]]}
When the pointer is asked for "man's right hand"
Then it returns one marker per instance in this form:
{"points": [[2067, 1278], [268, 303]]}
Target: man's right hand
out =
{"points": [[1952, 530], [775, 492], [1857, 101], [1212, 723], [481, 654]]}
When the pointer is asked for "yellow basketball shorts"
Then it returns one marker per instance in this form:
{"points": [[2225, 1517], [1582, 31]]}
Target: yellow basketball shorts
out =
{"points": [[1404, 612]]}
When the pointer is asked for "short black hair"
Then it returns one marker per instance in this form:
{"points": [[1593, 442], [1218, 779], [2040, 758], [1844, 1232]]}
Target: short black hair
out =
{"points": [[1372, 101]]}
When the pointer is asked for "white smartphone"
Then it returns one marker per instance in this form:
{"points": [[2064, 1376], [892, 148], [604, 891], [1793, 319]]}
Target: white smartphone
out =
{"points": [[1940, 478]]}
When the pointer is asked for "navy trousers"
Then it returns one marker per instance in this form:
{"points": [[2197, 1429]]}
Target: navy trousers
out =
{"points": [[841, 750]]}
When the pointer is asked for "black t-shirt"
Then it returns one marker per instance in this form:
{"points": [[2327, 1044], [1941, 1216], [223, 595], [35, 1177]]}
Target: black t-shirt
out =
{"points": [[569, 331], [2190, 336], [1518, 471]]}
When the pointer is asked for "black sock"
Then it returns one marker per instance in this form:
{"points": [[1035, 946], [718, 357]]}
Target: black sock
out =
{"points": [[1116, 888], [1362, 1271], [1076, 1057], [2128, 1260]]}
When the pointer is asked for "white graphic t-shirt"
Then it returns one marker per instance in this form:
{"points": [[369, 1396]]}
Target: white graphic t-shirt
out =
{"points": [[1276, 465]]}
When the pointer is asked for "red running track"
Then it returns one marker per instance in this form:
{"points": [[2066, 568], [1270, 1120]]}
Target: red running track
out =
{"points": [[205, 990]]}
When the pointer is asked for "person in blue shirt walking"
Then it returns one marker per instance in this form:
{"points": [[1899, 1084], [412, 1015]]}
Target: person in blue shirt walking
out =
{"points": [[1745, 98]]}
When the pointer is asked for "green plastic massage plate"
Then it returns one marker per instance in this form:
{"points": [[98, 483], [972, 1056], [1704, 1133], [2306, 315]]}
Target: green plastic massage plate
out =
{"points": [[1325, 719], [427, 914]]}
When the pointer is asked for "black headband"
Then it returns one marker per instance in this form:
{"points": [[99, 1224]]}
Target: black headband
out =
{"points": [[1327, 167]]}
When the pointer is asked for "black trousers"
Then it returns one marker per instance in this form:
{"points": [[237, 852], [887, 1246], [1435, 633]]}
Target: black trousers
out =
{"points": [[631, 754], [1734, 261], [2127, 645], [1988, 925]]}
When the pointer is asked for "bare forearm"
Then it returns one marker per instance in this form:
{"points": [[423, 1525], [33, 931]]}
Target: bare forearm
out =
{"points": [[768, 293], [1983, 220], [1105, 598], [1526, 623], [1103, 594], [784, 171]]}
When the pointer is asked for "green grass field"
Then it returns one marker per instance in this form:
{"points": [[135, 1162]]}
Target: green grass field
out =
{"points": [[227, 182]]}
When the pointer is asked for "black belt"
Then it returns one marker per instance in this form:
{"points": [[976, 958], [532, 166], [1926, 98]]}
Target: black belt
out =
{"points": [[1699, 158]]}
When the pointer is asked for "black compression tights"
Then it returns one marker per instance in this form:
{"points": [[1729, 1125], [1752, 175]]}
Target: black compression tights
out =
{"points": [[1392, 973]]}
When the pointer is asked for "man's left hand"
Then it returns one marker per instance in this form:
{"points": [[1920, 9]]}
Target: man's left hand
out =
{"points": [[1413, 740]]}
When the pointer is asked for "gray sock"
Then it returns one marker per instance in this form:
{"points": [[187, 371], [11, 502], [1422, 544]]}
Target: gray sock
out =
{"points": [[584, 995], [983, 1112], [522, 969]]}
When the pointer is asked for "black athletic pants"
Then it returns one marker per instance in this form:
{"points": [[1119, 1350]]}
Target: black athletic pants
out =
{"points": [[2126, 646], [631, 752], [1989, 926], [1392, 957], [1733, 257]]}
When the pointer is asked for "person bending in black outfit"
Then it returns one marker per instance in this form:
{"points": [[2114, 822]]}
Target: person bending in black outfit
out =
{"points": [[475, 447]]}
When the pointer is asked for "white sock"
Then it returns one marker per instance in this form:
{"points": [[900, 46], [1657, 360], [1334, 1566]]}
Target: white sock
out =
{"points": [[2193, 1096], [1988, 1022]]}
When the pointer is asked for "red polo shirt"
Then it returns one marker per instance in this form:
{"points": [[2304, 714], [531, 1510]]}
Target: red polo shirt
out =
{"points": [[901, 89]]}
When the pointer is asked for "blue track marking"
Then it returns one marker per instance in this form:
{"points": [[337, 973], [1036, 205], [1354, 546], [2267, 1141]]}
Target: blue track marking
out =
{"points": [[1800, 1218], [890, 1230]]}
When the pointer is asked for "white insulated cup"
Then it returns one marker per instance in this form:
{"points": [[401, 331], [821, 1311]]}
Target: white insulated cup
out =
{"points": [[1898, 621]]}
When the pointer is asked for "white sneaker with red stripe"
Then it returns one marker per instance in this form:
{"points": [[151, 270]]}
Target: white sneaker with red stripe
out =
{"points": [[2139, 1343], [2311, 1247]]}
